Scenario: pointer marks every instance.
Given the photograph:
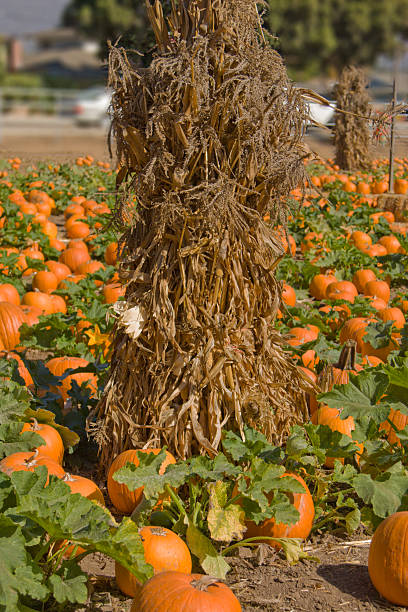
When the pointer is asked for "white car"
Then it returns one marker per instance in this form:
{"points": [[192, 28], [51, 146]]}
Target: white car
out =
{"points": [[325, 115], [92, 107]]}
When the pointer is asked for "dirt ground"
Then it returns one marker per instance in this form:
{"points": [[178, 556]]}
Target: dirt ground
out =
{"points": [[263, 582], [60, 140]]}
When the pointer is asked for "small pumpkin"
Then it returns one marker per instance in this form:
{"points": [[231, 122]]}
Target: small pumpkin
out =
{"points": [[45, 281], [164, 550], [319, 284], [177, 592], [378, 288], [361, 277], [85, 486]]}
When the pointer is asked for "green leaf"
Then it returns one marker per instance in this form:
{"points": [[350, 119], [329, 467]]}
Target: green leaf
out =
{"points": [[19, 575], [69, 584], [378, 334], [353, 520], [385, 496], [67, 516], [210, 560], [69, 438], [225, 522], [12, 441]]}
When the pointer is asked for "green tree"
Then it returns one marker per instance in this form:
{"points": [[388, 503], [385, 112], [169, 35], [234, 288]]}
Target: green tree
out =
{"points": [[323, 37]]}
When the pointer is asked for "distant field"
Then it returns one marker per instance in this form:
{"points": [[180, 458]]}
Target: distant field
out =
{"points": [[42, 138]]}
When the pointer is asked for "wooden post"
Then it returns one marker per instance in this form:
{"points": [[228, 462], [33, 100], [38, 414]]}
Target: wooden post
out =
{"points": [[392, 138]]}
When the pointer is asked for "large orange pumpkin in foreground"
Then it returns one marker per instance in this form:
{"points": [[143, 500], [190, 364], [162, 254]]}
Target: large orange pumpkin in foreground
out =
{"points": [[123, 499], [164, 550], [303, 503], [177, 592], [387, 559]]}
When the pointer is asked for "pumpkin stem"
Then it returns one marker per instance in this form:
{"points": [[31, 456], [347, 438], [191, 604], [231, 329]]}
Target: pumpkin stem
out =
{"points": [[347, 359], [204, 582], [68, 477], [31, 460], [34, 424]]}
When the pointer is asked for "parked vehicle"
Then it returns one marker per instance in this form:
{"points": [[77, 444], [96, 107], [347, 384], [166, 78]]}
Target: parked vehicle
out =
{"points": [[325, 115], [92, 107]]}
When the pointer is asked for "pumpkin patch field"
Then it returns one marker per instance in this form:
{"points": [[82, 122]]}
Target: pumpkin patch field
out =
{"points": [[261, 524]]}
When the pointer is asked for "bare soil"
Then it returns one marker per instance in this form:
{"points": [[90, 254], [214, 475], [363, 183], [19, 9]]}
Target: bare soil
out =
{"points": [[264, 582]]}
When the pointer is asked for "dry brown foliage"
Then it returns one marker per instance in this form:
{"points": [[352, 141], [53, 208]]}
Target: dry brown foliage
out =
{"points": [[352, 132], [209, 139]]}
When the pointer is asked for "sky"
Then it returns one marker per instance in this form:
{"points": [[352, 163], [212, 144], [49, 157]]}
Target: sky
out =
{"points": [[20, 17]]}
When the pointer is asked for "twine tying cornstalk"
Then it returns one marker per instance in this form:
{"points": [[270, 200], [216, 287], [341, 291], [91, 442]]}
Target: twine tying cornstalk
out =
{"points": [[209, 139]]}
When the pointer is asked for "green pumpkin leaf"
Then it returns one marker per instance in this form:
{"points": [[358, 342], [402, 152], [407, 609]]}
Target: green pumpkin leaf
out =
{"points": [[69, 584], [13, 441], [210, 560], [69, 437]]}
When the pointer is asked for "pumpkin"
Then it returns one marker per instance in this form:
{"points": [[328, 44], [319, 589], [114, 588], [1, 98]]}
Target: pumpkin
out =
{"points": [[380, 186], [401, 186], [361, 240], [11, 319], [319, 284], [376, 250], [399, 420], [111, 254], [112, 292], [371, 361], [32, 314], [28, 461], [177, 592], [8, 293], [40, 300], [73, 257], [45, 281], [22, 370], [59, 269], [85, 486], [301, 335], [90, 267], [164, 550], [392, 314], [74, 209], [387, 558], [288, 295], [379, 289], [391, 243], [58, 304], [59, 365], [361, 277], [377, 303], [303, 502], [54, 446], [78, 230], [124, 500]]}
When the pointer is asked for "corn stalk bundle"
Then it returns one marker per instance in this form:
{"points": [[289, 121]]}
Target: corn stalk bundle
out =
{"points": [[209, 140], [352, 131]]}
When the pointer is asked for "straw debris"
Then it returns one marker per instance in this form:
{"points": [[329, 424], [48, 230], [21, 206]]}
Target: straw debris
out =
{"points": [[209, 140]]}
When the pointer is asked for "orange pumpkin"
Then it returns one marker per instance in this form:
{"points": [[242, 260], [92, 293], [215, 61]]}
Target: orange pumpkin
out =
{"points": [[11, 319], [361, 277], [319, 284], [27, 462], [59, 365], [84, 486], [8, 293], [288, 295], [378, 288], [387, 559], [124, 500], [301, 335], [59, 269], [74, 257], [303, 502], [164, 550], [391, 243], [111, 254], [392, 314], [112, 292], [54, 446], [45, 281], [40, 300], [177, 592]]}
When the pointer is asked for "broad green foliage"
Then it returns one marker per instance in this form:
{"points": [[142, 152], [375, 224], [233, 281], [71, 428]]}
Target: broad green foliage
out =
{"points": [[33, 518]]}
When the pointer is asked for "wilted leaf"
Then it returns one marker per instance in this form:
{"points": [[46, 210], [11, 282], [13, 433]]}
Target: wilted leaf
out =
{"points": [[210, 560], [225, 522]]}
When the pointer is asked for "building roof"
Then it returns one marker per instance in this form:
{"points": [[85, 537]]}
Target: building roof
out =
{"points": [[19, 17]]}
